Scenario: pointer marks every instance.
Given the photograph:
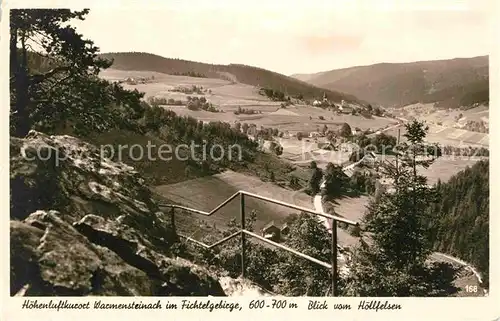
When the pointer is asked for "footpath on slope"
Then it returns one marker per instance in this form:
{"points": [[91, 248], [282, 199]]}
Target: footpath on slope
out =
{"points": [[438, 256]]}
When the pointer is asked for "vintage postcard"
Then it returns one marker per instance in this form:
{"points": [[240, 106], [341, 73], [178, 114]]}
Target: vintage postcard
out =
{"points": [[249, 159]]}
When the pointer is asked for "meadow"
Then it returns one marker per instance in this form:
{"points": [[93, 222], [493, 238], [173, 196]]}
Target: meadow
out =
{"points": [[229, 95], [207, 192], [447, 117], [449, 136], [444, 124]]}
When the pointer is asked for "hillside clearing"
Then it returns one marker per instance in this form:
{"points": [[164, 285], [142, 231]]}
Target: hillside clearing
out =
{"points": [[445, 167], [228, 96], [208, 192], [448, 136]]}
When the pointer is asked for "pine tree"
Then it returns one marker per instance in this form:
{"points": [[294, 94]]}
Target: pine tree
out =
{"points": [[393, 261], [316, 177], [335, 180], [296, 276], [54, 76]]}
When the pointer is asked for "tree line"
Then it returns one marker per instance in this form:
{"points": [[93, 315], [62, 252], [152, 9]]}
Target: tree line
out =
{"points": [[273, 94], [190, 74]]}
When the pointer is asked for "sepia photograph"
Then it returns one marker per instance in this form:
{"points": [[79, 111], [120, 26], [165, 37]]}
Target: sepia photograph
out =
{"points": [[249, 150]]}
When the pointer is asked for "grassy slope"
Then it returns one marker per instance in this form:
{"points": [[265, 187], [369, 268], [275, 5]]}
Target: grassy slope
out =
{"points": [[242, 73], [452, 82], [208, 192], [159, 172], [155, 172]]}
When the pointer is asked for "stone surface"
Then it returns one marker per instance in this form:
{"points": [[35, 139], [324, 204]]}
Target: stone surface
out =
{"points": [[53, 258], [242, 287], [84, 225]]}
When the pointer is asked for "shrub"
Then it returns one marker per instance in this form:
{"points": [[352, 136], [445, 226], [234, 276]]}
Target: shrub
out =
{"points": [[245, 111], [354, 230]]}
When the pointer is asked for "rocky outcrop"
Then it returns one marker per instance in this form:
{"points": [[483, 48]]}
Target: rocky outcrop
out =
{"points": [[242, 287], [84, 225]]}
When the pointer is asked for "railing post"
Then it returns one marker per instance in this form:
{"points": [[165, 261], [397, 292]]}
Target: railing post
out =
{"points": [[172, 221], [334, 257], [242, 212]]}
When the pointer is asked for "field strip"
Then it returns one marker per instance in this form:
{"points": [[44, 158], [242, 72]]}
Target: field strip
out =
{"points": [[440, 130], [485, 140], [284, 112], [457, 133]]}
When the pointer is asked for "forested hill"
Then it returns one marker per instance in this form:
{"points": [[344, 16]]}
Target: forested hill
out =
{"points": [[234, 72], [460, 220], [451, 83]]}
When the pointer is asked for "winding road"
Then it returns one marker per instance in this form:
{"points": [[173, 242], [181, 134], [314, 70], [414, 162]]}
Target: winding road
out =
{"points": [[443, 257]]}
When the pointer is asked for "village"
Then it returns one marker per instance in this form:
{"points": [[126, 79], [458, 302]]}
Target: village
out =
{"points": [[367, 165], [320, 199]]}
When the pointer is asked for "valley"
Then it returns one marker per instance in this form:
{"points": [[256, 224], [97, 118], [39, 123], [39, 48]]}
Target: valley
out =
{"points": [[229, 96], [116, 159], [205, 193]]}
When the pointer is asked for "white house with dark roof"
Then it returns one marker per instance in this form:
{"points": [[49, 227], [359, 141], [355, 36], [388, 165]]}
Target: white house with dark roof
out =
{"points": [[271, 231]]}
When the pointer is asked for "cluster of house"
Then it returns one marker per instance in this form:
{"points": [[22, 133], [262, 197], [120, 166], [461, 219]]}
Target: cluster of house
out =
{"points": [[343, 107], [135, 80], [313, 134], [368, 161]]}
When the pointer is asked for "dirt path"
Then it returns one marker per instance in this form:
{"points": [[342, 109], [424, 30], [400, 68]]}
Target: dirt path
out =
{"points": [[318, 206], [387, 129], [446, 257]]}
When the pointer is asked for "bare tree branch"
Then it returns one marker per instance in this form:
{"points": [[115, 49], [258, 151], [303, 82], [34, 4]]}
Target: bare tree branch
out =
{"points": [[59, 82], [35, 79]]}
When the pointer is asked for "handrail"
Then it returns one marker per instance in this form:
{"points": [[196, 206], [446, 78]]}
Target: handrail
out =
{"points": [[263, 198], [218, 207], [263, 239], [224, 240], [286, 248], [243, 231]]}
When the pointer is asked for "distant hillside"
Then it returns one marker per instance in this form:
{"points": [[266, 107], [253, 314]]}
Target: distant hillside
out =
{"points": [[452, 83], [304, 77], [244, 74], [459, 221]]}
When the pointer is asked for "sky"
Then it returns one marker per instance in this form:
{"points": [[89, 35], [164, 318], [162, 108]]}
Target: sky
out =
{"points": [[296, 36]]}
